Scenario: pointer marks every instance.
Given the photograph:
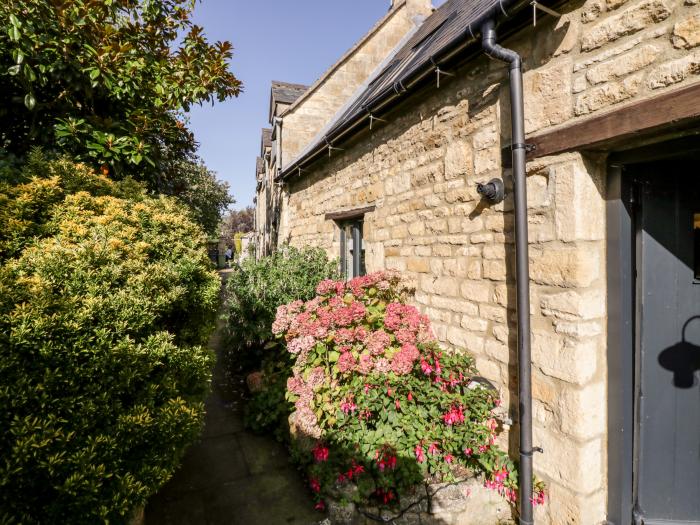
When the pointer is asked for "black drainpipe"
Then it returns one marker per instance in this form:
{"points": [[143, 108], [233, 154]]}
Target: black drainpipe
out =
{"points": [[493, 50]]}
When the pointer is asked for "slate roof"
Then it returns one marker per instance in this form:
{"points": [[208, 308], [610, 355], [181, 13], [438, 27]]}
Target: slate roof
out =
{"points": [[452, 24], [266, 138], [287, 93]]}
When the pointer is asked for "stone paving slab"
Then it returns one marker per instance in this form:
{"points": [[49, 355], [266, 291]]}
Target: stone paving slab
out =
{"points": [[232, 476]]}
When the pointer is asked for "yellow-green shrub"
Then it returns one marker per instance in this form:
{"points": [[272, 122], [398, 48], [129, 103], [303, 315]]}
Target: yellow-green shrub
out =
{"points": [[105, 303]]}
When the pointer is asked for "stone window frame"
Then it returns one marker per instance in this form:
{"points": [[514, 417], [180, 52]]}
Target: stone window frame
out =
{"points": [[351, 222]]}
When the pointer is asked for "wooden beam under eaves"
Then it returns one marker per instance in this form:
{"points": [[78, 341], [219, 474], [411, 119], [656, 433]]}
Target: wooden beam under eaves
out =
{"points": [[616, 128]]}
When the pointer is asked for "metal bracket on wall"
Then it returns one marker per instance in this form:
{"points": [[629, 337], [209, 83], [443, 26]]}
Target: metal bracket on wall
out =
{"points": [[535, 6], [372, 118], [439, 72]]}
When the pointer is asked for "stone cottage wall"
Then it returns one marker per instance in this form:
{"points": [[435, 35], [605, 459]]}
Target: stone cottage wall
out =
{"points": [[420, 171]]}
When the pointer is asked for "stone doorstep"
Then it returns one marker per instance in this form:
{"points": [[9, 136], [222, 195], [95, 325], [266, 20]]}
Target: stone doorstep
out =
{"points": [[466, 502]]}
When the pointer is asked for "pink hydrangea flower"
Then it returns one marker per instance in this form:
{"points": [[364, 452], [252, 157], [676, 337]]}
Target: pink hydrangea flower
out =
{"points": [[365, 364], [300, 344], [346, 362], [382, 365], [403, 360], [378, 341]]}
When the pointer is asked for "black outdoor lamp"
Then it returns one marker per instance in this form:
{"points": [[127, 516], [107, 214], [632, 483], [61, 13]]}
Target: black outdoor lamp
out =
{"points": [[493, 191]]}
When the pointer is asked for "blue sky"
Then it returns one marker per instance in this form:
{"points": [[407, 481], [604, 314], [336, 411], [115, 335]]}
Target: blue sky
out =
{"points": [[292, 41]]}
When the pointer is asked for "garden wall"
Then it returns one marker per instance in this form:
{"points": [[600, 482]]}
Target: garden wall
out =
{"points": [[420, 170]]}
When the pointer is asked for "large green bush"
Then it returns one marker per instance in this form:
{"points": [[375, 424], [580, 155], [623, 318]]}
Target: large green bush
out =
{"points": [[104, 305], [258, 287], [254, 292]]}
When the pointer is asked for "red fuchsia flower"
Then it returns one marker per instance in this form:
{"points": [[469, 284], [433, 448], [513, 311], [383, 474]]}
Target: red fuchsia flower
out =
{"points": [[491, 424], [367, 387], [397, 404], [320, 506], [448, 458], [433, 449], [357, 469], [346, 362], [537, 499], [500, 475], [483, 448], [410, 396], [420, 455], [348, 406], [468, 451], [320, 453], [425, 367], [511, 494], [385, 496], [315, 485], [454, 416], [342, 478]]}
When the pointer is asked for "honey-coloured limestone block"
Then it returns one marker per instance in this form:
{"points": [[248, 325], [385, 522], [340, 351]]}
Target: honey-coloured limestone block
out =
{"points": [[623, 65], [569, 267], [686, 32], [629, 21], [675, 71]]}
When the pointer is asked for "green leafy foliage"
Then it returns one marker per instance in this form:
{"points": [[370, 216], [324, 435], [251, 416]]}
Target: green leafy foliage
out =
{"points": [[107, 81], [105, 303], [256, 288], [197, 187], [254, 291]]}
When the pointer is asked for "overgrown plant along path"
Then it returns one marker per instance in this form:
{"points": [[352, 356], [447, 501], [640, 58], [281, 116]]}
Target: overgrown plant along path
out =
{"points": [[232, 476]]}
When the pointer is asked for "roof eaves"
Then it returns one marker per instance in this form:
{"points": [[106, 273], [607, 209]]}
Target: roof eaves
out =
{"points": [[374, 29], [414, 67]]}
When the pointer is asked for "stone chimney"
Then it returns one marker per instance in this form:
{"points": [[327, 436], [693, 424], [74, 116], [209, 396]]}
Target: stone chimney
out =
{"points": [[419, 7], [415, 7]]}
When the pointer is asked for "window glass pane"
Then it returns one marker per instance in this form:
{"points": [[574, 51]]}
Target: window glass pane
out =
{"points": [[696, 240], [347, 232]]}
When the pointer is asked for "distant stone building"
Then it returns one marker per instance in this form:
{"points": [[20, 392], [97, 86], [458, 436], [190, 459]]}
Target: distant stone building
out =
{"points": [[267, 166], [378, 163]]}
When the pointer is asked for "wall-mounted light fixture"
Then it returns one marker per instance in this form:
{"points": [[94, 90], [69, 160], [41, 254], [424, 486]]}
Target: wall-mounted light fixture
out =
{"points": [[493, 191]]}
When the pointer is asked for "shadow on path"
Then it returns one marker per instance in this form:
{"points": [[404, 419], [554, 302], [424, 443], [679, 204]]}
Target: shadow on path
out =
{"points": [[232, 476]]}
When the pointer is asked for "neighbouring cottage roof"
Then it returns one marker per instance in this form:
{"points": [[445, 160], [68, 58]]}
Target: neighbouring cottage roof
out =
{"points": [[455, 22], [265, 140], [287, 93], [284, 93]]}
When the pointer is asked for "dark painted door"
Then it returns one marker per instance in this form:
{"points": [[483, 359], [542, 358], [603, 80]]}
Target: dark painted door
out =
{"points": [[667, 444]]}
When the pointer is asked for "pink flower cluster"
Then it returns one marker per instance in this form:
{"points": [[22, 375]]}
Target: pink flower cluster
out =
{"points": [[497, 483], [304, 417], [454, 416], [385, 458], [320, 453], [338, 318]]}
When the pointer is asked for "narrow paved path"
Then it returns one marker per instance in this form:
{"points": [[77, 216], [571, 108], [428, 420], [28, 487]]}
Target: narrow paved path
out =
{"points": [[232, 476]]}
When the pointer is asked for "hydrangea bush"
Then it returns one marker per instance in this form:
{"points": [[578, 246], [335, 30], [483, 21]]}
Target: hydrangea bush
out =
{"points": [[379, 407]]}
